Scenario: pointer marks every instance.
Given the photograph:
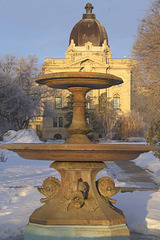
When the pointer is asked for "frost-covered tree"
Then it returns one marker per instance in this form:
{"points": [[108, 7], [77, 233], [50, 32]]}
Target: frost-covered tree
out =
{"points": [[153, 137], [21, 99], [146, 71]]}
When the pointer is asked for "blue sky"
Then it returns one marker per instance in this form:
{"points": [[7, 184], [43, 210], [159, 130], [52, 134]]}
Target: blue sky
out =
{"points": [[42, 27]]}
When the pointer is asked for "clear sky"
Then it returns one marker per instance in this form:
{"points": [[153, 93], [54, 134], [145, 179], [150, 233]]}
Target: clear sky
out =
{"points": [[42, 27]]}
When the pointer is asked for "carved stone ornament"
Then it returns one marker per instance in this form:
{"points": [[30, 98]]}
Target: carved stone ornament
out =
{"points": [[49, 188], [78, 198], [106, 188], [87, 66]]}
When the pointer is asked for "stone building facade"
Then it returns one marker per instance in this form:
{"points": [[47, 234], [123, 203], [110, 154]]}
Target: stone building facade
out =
{"points": [[88, 51]]}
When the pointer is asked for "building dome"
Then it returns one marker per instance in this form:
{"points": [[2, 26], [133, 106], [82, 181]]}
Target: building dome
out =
{"points": [[88, 29]]}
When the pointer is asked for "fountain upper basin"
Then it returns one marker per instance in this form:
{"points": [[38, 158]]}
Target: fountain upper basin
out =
{"points": [[92, 80], [77, 152]]}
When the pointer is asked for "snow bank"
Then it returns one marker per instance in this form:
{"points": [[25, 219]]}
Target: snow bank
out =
{"points": [[21, 136], [142, 211], [16, 205], [150, 163]]}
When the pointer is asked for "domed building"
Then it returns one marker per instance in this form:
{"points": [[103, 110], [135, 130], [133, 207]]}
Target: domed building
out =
{"points": [[88, 29], [88, 51]]}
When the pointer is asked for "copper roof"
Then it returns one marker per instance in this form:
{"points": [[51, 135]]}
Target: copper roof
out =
{"points": [[88, 29]]}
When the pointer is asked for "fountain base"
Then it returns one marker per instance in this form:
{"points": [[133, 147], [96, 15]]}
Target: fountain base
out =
{"points": [[78, 199], [77, 207], [83, 232]]}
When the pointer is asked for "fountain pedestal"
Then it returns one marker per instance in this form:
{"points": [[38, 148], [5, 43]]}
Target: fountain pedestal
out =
{"points": [[78, 128], [78, 207]]}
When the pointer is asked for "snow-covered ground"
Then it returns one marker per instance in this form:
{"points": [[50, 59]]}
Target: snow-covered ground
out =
{"points": [[148, 162], [19, 196]]}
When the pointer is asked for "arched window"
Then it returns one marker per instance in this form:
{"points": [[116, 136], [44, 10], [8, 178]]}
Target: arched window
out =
{"points": [[116, 101], [57, 136]]}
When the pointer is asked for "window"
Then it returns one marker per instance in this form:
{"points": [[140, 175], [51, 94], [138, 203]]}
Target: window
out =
{"points": [[116, 102], [57, 136], [60, 121], [58, 102], [55, 122]]}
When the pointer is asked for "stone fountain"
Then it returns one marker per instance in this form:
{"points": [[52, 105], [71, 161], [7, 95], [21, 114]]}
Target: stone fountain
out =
{"points": [[78, 207]]}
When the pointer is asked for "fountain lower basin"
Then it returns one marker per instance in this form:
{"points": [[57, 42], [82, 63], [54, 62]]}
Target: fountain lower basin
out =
{"points": [[78, 152]]}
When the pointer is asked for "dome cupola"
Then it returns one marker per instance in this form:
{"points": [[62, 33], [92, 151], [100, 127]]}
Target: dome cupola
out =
{"points": [[88, 29]]}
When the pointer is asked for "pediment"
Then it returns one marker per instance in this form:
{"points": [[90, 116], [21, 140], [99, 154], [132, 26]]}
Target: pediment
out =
{"points": [[84, 60]]}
